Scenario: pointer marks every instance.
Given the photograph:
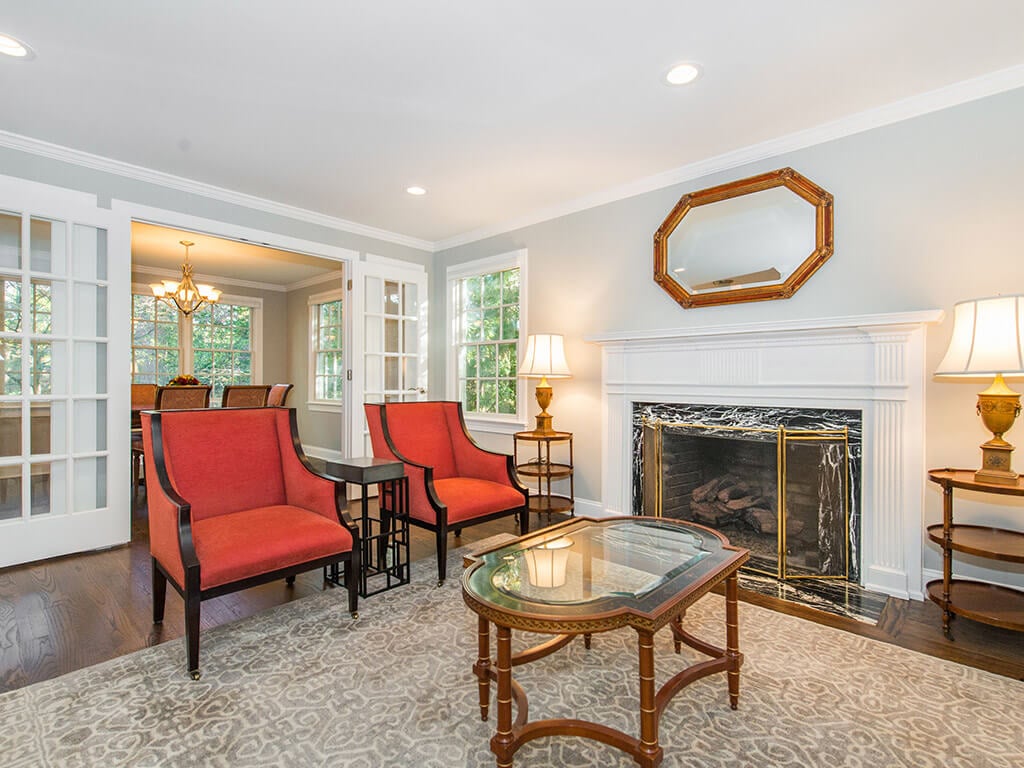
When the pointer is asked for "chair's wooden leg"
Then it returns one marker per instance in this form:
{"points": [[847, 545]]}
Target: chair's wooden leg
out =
{"points": [[524, 521], [192, 600], [352, 566], [289, 580], [159, 592], [441, 534], [136, 470]]}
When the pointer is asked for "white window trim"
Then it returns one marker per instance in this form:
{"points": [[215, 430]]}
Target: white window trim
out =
{"points": [[185, 331], [315, 299], [505, 424]]}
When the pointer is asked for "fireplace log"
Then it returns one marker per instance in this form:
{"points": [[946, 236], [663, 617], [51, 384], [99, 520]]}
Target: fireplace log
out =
{"points": [[742, 502], [762, 520], [712, 513], [707, 491], [733, 489]]}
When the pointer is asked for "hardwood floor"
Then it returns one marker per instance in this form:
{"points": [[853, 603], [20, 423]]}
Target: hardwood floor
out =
{"points": [[60, 615]]}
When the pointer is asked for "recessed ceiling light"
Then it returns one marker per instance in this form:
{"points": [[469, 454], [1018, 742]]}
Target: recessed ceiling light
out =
{"points": [[416, 190], [681, 74], [13, 47]]}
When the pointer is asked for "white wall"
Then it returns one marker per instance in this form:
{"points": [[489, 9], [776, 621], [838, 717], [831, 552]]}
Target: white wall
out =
{"points": [[928, 212]]}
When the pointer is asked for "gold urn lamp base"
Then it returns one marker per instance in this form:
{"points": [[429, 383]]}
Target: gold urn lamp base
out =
{"points": [[998, 407], [543, 393]]}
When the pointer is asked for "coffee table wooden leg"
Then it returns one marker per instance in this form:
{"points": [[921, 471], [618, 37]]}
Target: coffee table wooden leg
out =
{"points": [[649, 752], [482, 668], [503, 740], [732, 639]]}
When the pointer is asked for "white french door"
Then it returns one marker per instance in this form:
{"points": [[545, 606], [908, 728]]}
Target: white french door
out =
{"points": [[63, 485], [389, 339]]}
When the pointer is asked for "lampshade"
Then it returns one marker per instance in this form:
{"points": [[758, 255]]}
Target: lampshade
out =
{"points": [[988, 338], [545, 357]]}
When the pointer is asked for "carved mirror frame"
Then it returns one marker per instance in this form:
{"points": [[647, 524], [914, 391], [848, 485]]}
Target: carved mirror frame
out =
{"points": [[784, 177]]}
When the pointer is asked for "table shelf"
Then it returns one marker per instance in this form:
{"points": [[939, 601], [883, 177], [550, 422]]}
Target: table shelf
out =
{"points": [[539, 473], [994, 543], [988, 603]]}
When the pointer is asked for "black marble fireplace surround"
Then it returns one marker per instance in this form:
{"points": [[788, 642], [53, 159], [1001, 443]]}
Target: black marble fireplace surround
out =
{"points": [[756, 427]]}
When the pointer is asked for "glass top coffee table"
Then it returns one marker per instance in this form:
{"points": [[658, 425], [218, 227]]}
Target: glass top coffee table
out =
{"points": [[586, 576]]}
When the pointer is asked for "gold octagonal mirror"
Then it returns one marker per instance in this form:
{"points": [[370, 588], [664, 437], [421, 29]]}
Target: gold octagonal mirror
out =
{"points": [[750, 240]]}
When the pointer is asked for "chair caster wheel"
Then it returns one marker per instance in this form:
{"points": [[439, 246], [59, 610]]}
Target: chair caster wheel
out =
{"points": [[355, 615], [194, 674], [457, 532], [440, 582]]}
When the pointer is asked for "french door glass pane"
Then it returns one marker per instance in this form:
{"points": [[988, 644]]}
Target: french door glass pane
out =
{"points": [[10, 492], [90, 483], [90, 426], [90, 253], [10, 241], [91, 310], [10, 429], [48, 487], [48, 246], [49, 427]]}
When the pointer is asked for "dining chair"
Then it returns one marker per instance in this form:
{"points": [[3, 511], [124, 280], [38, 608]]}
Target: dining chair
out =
{"points": [[245, 396], [166, 398], [279, 394]]}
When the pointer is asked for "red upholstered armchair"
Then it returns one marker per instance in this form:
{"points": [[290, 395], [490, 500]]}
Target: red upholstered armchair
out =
{"points": [[233, 503], [453, 482]]}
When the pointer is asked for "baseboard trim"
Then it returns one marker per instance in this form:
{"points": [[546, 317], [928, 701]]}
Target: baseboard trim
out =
{"points": [[327, 454], [591, 508]]}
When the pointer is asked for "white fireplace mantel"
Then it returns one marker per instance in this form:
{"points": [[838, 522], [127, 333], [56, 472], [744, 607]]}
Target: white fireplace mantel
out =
{"points": [[872, 363]]}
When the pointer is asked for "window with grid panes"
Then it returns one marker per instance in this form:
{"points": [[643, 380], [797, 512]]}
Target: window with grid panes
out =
{"points": [[222, 346], [487, 322], [156, 346], [326, 332], [10, 348]]}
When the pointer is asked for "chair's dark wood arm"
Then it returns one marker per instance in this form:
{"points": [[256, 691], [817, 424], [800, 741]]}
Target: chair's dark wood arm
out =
{"points": [[186, 546], [340, 507]]}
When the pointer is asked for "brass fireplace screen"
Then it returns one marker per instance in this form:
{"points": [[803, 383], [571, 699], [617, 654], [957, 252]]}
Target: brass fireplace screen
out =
{"points": [[782, 493]]}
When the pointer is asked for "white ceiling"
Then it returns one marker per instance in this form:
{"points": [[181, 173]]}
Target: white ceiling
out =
{"points": [[499, 109]]}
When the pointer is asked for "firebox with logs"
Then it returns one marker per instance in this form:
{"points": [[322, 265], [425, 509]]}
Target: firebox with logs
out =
{"points": [[781, 493]]}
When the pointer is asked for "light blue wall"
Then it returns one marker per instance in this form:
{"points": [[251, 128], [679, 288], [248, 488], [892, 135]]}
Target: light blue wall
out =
{"points": [[928, 212]]}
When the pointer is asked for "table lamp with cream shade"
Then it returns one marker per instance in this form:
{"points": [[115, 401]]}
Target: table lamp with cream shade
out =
{"points": [[544, 359], [988, 340]]}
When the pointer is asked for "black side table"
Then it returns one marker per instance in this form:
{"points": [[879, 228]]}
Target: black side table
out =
{"points": [[384, 548]]}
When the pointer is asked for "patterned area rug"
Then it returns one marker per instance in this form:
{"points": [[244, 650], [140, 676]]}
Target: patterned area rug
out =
{"points": [[304, 685]]}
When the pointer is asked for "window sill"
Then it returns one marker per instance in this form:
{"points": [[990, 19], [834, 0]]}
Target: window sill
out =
{"points": [[321, 406], [498, 426]]}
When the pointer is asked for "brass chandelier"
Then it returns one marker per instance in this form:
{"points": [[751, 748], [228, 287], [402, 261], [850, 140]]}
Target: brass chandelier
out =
{"points": [[185, 294]]}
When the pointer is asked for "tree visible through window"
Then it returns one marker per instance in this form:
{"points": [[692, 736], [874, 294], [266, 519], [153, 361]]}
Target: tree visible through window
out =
{"points": [[215, 343], [222, 346], [487, 318], [155, 345], [328, 361]]}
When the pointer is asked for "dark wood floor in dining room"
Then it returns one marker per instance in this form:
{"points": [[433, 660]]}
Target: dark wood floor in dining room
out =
{"points": [[67, 613]]}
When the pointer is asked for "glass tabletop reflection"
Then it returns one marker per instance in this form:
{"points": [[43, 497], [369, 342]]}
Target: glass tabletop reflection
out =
{"points": [[591, 565]]}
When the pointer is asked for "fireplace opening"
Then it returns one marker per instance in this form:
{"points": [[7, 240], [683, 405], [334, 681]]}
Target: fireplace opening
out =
{"points": [[781, 493], [782, 482]]}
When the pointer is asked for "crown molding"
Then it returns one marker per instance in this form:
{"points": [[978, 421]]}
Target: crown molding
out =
{"points": [[336, 274], [138, 173], [175, 274], [921, 104], [904, 109]]}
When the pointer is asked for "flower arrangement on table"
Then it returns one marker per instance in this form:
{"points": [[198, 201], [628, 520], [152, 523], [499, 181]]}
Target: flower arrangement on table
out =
{"points": [[185, 380]]}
